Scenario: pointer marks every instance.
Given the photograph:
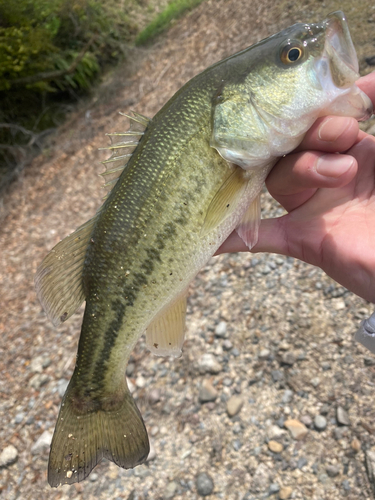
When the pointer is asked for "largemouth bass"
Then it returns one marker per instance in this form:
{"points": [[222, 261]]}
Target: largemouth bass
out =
{"points": [[183, 182]]}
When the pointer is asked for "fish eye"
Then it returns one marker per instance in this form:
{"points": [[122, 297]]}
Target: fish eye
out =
{"points": [[291, 53]]}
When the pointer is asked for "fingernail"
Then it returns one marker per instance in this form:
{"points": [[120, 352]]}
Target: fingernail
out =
{"points": [[334, 165], [331, 129]]}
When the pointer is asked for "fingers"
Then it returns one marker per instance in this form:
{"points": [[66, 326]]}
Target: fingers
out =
{"points": [[297, 176], [367, 84], [331, 134]]}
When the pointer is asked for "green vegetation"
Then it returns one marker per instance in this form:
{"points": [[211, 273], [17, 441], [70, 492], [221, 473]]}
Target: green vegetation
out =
{"points": [[51, 54], [173, 11]]}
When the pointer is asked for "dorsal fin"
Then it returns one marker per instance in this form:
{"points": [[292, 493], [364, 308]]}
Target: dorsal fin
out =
{"points": [[122, 150]]}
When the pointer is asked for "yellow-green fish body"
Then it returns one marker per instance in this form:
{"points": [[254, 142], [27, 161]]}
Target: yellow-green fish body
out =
{"points": [[193, 178]]}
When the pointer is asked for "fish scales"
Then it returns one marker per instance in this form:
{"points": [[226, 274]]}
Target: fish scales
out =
{"points": [[193, 178]]}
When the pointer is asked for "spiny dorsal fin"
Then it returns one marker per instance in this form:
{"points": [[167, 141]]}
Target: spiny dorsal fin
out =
{"points": [[165, 335], [58, 281], [122, 150]]}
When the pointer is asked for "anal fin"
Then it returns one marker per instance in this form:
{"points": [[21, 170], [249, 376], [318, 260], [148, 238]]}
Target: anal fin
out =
{"points": [[165, 335], [249, 226]]}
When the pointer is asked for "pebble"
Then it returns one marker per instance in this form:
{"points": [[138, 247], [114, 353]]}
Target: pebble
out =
{"points": [[356, 445], [43, 442], [93, 477], [227, 345], [274, 432], [264, 354], [301, 462], [19, 417], [285, 492], [277, 375], [320, 422], [274, 488], [130, 369], [207, 392], [296, 428], [326, 366], [204, 484], [306, 420], [342, 416], [140, 382], [208, 363], [332, 470], [261, 477], [170, 490], [345, 484], [221, 329], [237, 444], [288, 358], [275, 446], [234, 405], [154, 396], [287, 396], [8, 456], [36, 365], [315, 381], [38, 380]]}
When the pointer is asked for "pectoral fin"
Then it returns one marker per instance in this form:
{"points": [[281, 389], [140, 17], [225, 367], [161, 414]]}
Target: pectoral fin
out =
{"points": [[249, 226], [226, 200], [165, 335]]}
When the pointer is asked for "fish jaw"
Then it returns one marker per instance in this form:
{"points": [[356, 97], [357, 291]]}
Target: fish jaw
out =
{"points": [[337, 71]]}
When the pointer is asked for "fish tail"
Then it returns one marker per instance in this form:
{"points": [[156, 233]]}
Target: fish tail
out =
{"points": [[88, 430]]}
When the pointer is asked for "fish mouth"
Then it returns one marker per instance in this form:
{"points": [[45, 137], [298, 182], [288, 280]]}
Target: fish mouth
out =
{"points": [[338, 70]]}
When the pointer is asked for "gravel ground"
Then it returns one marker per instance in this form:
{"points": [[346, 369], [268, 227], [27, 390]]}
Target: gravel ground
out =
{"points": [[271, 399]]}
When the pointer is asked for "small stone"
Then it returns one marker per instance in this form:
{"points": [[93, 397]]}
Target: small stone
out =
{"points": [[274, 488], [370, 466], [323, 478], [234, 405], [306, 420], [235, 352], [274, 432], [342, 416], [296, 429], [356, 445], [42, 443], [227, 345], [340, 433], [277, 375], [208, 363], [204, 484], [301, 462], [288, 358], [170, 490], [36, 365], [264, 354], [332, 470], [93, 477], [154, 396], [345, 484], [207, 392], [325, 409], [315, 381], [326, 366], [38, 380], [285, 492], [287, 396], [221, 329], [237, 444], [8, 456], [275, 446], [320, 422], [140, 382], [19, 417]]}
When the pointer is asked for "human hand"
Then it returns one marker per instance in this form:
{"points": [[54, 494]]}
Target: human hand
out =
{"points": [[330, 199]]}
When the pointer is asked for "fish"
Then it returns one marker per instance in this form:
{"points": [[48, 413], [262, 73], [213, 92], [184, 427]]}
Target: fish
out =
{"points": [[180, 183]]}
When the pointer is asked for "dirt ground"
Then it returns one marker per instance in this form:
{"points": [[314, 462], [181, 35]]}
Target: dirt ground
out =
{"points": [[279, 331]]}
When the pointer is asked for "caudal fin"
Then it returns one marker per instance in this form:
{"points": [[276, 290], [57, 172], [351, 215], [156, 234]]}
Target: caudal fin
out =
{"points": [[82, 438]]}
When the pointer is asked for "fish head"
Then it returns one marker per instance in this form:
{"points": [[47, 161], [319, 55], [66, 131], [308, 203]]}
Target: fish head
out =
{"points": [[275, 90]]}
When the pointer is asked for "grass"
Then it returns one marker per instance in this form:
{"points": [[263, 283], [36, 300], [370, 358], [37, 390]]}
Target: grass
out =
{"points": [[173, 11]]}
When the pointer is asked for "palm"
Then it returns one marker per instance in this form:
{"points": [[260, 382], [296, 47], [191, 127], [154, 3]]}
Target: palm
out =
{"points": [[333, 229]]}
